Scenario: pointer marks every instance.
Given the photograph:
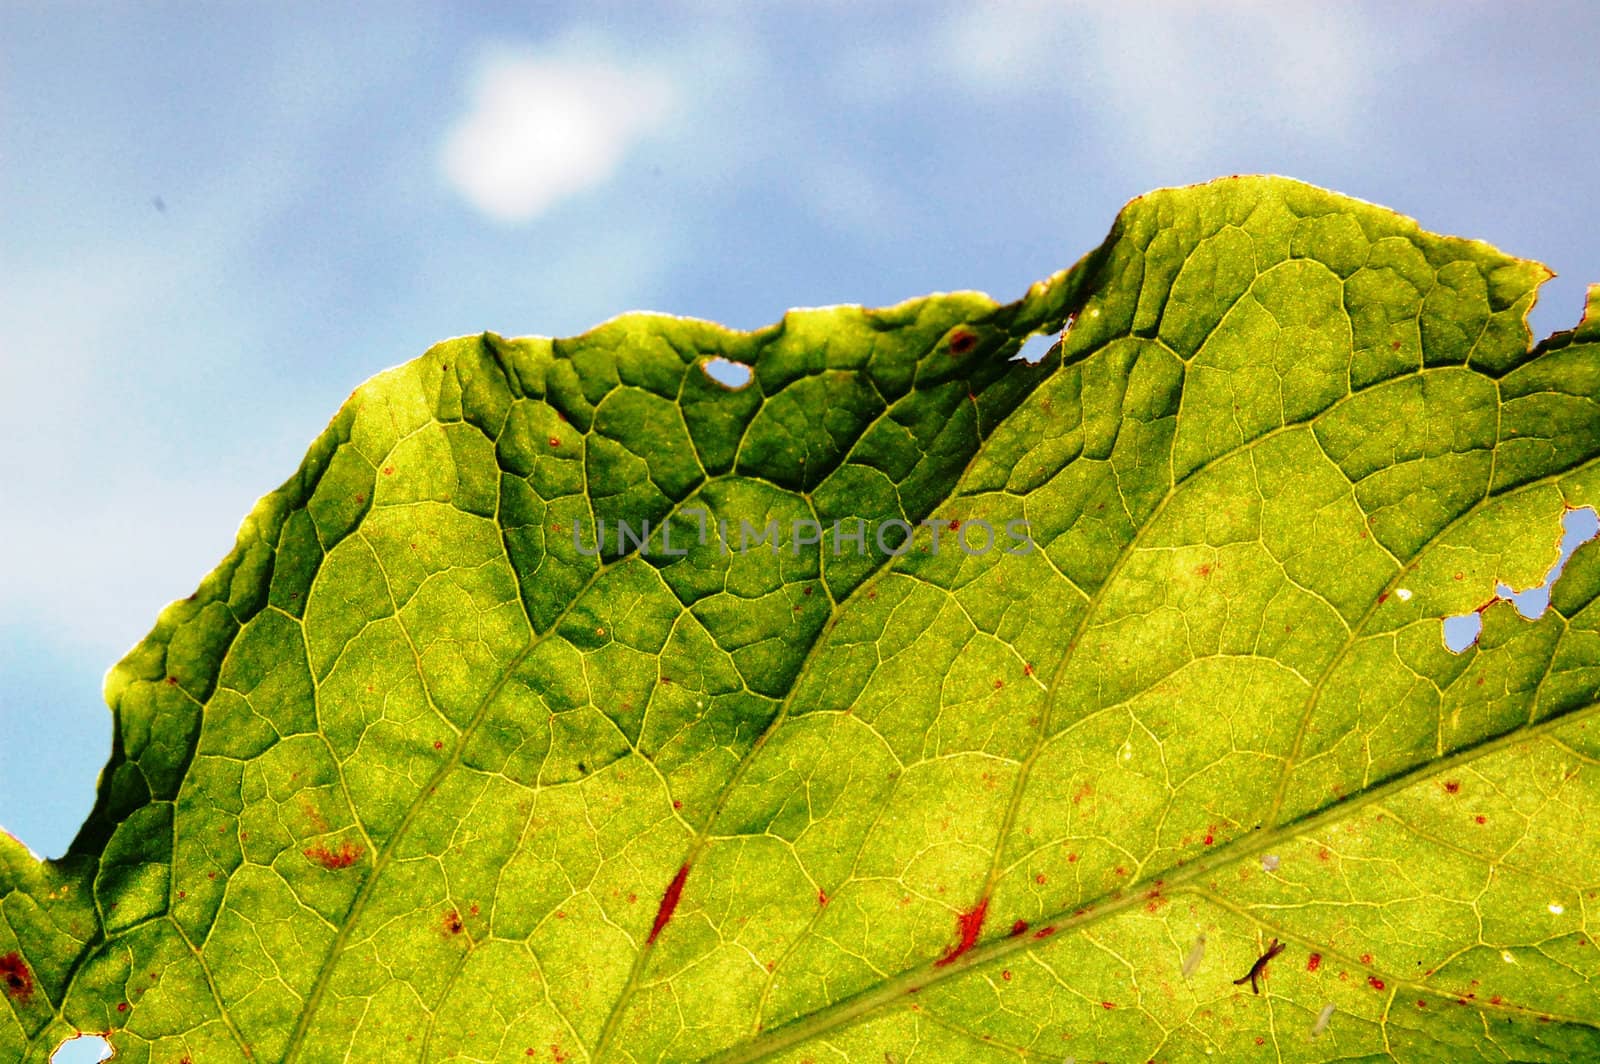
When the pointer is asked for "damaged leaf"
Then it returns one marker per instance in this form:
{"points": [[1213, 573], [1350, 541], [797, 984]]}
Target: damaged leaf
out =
{"points": [[950, 707]]}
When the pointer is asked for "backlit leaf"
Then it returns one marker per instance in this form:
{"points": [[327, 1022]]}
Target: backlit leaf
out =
{"points": [[1155, 684]]}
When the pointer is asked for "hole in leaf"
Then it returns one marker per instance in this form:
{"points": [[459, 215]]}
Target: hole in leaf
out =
{"points": [[85, 1049], [1035, 347], [728, 373], [1463, 631], [1577, 528]]}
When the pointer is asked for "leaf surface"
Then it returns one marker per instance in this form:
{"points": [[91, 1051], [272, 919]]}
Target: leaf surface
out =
{"points": [[415, 775]]}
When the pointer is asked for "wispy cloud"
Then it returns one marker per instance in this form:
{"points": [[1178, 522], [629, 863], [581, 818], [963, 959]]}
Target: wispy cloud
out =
{"points": [[539, 130], [1173, 82]]}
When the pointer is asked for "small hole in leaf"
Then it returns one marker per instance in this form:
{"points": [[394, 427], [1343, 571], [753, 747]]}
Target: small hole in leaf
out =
{"points": [[85, 1049], [1461, 632], [1577, 528], [1034, 348], [726, 372]]}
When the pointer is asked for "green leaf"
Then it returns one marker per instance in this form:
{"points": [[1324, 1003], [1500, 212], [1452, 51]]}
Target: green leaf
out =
{"points": [[414, 776]]}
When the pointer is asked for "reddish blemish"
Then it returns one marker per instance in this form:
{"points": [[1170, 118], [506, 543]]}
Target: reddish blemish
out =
{"points": [[1324, 855], [16, 975], [1119, 870], [677, 804], [1019, 928], [1421, 1004], [172, 681], [1260, 1041], [1313, 962], [962, 341], [438, 744], [1481, 819], [1044, 932], [1382, 598], [1006, 974], [1497, 1000], [669, 902], [1374, 982], [346, 855], [1209, 839], [1203, 570], [999, 684], [554, 442], [1452, 786], [361, 499], [968, 924], [452, 922], [1107, 1005], [122, 1006], [388, 470], [1072, 858], [822, 897], [1027, 669], [556, 1054], [1039, 879], [1366, 958]]}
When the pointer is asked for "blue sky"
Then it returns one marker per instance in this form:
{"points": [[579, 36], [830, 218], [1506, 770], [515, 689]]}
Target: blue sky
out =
{"points": [[217, 219]]}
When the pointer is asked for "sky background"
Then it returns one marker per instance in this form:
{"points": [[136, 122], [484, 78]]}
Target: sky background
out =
{"points": [[216, 220]]}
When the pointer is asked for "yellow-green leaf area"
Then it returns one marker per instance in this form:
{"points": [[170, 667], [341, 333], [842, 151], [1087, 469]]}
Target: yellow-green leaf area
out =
{"points": [[908, 702]]}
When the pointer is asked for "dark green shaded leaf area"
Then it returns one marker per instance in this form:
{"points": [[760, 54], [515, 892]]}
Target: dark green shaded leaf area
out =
{"points": [[413, 776]]}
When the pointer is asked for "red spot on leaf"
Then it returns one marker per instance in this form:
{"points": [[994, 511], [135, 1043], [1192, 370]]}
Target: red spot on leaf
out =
{"points": [[1374, 982], [1044, 932], [1019, 928], [16, 976], [1107, 1005], [1072, 858], [1497, 1000], [346, 855], [438, 744], [1209, 839], [969, 924], [388, 470], [1203, 570], [822, 897], [1027, 669], [452, 922], [1366, 958], [1313, 962], [172, 681], [1039, 879], [962, 341], [1481, 819], [676, 804], [669, 902], [1452, 786], [122, 1006], [1006, 974], [1421, 1004], [554, 442]]}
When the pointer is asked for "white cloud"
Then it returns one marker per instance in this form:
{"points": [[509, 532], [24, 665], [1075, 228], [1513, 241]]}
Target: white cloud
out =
{"points": [[1176, 83], [540, 130]]}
